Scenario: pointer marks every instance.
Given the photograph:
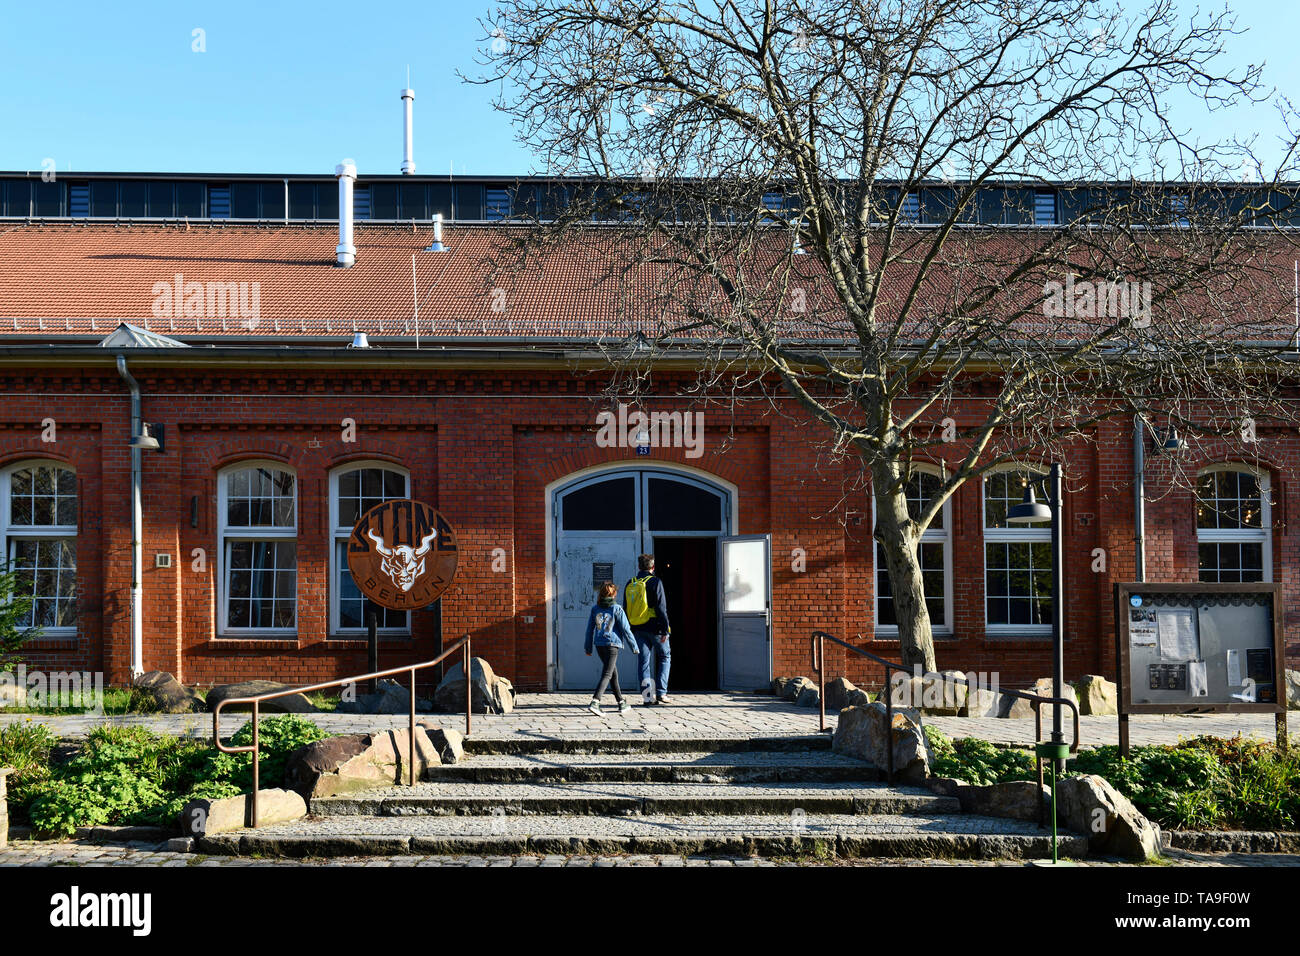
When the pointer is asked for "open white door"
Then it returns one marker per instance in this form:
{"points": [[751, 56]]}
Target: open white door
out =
{"points": [[745, 612]]}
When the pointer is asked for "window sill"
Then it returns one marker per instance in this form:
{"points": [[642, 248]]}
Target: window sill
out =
{"points": [[360, 640], [253, 642], [1017, 635]]}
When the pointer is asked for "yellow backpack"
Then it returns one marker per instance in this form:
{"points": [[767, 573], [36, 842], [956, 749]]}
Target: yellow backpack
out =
{"points": [[635, 602]]}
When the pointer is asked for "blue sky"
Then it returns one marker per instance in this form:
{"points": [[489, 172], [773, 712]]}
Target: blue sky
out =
{"points": [[295, 87]]}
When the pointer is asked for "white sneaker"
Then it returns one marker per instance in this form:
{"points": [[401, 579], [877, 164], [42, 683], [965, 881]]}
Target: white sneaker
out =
{"points": [[624, 707], [594, 707], [664, 700]]}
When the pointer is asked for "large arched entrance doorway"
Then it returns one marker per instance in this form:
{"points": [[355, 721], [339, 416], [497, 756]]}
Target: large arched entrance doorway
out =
{"points": [[601, 521]]}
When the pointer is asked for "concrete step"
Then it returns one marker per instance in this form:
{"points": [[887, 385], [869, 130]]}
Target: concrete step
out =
{"points": [[679, 799], [642, 767], [774, 766], [911, 836], [630, 742]]}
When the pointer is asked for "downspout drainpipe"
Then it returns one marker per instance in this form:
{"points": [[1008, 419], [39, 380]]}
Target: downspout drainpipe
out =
{"points": [[137, 618], [1139, 498]]}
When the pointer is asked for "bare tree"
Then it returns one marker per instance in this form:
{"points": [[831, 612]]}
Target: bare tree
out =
{"points": [[844, 201]]}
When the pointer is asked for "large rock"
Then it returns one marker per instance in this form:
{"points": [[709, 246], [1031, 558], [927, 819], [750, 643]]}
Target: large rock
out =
{"points": [[202, 817], [450, 744], [1293, 690], [837, 694], [389, 698], [943, 694], [779, 685], [865, 733], [857, 698], [490, 695], [292, 704], [981, 702], [795, 686], [905, 690], [1098, 697], [381, 763], [309, 763], [1017, 707], [1089, 805], [168, 695], [12, 694], [809, 697]]}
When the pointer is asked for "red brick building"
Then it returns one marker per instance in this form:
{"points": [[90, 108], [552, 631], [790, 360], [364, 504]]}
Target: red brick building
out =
{"points": [[275, 432]]}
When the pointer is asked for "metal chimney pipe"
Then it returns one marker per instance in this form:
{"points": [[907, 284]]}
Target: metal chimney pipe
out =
{"points": [[346, 252], [408, 163]]}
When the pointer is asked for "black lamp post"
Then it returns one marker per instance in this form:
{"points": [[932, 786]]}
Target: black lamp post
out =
{"points": [[1033, 511]]}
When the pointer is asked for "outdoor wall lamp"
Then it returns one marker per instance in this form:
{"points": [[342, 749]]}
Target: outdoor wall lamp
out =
{"points": [[1031, 511], [149, 439]]}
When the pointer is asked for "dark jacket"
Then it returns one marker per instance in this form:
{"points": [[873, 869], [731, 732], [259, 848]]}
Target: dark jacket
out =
{"points": [[609, 627], [658, 601]]}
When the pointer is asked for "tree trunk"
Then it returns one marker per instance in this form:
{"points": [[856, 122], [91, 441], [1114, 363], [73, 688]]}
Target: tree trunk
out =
{"points": [[898, 537]]}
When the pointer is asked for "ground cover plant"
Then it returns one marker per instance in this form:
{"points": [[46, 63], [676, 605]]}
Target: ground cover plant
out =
{"points": [[131, 775], [1206, 783]]}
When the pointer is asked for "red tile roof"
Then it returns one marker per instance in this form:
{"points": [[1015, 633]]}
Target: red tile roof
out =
{"points": [[82, 280]]}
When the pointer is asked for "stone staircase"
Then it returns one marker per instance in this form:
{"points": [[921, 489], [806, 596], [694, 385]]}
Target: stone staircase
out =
{"points": [[773, 796]]}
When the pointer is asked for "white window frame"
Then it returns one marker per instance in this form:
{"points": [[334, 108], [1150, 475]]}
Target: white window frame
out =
{"points": [[227, 534], [1022, 534], [12, 533], [339, 533], [1261, 535], [931, 535]]}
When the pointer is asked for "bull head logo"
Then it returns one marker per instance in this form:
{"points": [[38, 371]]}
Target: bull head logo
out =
{"points": [[403, 564]]}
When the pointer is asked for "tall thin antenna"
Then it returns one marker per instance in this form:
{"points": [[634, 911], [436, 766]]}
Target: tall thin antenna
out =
{"points": [[415, 296]]}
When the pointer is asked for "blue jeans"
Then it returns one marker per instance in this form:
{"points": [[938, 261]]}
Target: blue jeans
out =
{"points": [[651, 646]]}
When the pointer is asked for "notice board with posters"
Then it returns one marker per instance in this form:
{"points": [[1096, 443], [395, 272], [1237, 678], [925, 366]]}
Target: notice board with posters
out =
{"points": [[1199, 648]]}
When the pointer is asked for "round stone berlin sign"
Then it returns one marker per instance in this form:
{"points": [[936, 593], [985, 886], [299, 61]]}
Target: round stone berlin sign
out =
{"points": [[402, 554]]}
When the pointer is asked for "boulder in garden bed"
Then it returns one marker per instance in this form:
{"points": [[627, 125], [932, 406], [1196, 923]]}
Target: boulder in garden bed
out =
{"points": [[1089, 805], [169, 695], [865, 733], [796, 686], [1293, 690], [353, 762], [292, 704], [1018, 707], [810, 696], [1097, 696], [490, 694], [201, 817], [449, 743], [837, 694]]}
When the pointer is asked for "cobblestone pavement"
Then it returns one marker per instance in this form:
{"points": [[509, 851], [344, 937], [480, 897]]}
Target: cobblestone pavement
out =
{"points": [[76, 853], [715, 715]]}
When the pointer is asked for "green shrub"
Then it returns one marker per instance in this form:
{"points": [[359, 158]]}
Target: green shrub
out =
{"points": [[91, 798], [278, 737], [125, 775], [980, 762], [25, 747]]}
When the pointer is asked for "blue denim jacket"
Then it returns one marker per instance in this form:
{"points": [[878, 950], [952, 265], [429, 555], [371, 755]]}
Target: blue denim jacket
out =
{"points": [[609, 627]]}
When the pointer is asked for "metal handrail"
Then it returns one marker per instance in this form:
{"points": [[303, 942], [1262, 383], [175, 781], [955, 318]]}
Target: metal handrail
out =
{"points": [[818, 642], [256, 701]]}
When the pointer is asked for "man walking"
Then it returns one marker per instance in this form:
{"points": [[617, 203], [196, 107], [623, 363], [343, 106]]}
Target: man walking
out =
{"points": [[647, 611]]}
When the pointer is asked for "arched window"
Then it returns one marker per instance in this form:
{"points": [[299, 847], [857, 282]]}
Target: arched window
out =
{"points": [[1233, 525], [935, 553], [257, 519], [38, 519], [1017, 558], [355, 488]]}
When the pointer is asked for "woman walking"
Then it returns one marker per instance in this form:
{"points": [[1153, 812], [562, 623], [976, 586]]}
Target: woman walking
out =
{"points": [[609, 632]]}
